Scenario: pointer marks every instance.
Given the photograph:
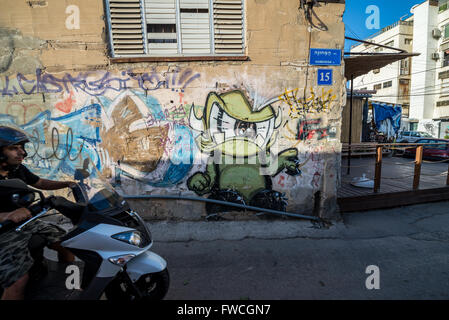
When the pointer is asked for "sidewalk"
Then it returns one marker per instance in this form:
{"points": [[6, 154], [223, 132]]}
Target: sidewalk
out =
{"points": [[368, 224]]}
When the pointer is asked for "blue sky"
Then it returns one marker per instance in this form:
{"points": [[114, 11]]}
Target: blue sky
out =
{"points": [[355, 16]]}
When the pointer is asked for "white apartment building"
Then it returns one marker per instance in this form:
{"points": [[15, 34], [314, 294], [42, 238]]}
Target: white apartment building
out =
{"points": [[427, 94], [391, 82], [421, 84]]}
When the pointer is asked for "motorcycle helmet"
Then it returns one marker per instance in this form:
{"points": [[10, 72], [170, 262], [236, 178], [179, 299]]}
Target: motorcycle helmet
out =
{"points": [[10, 136]]}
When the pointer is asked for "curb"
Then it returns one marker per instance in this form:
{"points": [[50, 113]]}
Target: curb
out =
{"points": [[237, 230]]}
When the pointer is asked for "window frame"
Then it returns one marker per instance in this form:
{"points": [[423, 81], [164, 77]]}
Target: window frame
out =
{"points": [[446, 31], [387, 84], [179, 56]]}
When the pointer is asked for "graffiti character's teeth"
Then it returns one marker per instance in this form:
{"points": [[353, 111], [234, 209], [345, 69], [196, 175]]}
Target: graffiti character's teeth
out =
{"points": [[219, 137], [260, 140]]}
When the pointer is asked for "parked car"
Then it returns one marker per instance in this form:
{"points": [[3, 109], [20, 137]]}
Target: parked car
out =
{"points": [[437, 149], [412, 136]]}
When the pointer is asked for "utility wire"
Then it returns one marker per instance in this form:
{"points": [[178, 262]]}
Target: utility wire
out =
{"points": [[419, 91], [409, 74]]}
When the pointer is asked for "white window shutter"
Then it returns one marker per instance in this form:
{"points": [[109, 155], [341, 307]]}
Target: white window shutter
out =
{"points": [[195, 27], [228, 25], [126, 27], [160, 18]]}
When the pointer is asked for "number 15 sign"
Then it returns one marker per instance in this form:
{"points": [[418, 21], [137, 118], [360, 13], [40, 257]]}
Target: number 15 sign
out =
{"points": [[325, 77]]}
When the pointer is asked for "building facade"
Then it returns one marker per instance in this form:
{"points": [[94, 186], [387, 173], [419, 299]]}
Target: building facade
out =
{"points": [[392, 82], [420, 84], [179, 97]]}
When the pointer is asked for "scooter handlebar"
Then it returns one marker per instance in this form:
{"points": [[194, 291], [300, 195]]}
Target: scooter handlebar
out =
{"points": [[9, 224], [35, 209]]}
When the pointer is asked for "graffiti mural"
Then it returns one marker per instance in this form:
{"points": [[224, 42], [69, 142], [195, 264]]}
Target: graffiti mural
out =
{"points": [[141, 133], [142, 140], [163, 132], [58, 141], [238, 140]]}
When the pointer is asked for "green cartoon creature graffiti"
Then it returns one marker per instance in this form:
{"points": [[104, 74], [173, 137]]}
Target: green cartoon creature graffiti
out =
{"points": [[238, 141]]}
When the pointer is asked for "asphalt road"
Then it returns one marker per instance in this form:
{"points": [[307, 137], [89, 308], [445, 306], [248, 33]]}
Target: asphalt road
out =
{"points": [[293, 260]]}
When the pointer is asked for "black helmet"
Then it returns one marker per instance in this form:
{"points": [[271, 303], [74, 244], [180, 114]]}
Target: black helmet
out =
{"points": [[10, 136]]}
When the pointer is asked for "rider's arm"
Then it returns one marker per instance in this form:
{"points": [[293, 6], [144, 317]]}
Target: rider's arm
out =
{"points": [[45, 184], [16, 215]]}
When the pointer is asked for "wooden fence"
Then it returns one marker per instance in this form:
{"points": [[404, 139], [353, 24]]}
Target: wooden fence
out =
{"points": [[380, 149]]}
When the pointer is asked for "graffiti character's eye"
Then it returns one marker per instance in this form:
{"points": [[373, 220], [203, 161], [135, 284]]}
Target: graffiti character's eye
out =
{"points": [[224, 127], [245, 129]]}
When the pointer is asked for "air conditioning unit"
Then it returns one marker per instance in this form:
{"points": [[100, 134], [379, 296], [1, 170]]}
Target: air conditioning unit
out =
{"points": [[436, 33], [435, 56]]}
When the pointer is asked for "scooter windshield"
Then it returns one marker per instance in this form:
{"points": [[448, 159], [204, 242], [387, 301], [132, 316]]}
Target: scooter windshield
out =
{"points": [[100, 195]]}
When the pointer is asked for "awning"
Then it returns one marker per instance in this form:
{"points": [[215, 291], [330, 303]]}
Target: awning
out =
{"points": [[362, 64]]}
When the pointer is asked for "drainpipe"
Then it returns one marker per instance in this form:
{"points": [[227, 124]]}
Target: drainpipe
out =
{"points": [[350, 124]]}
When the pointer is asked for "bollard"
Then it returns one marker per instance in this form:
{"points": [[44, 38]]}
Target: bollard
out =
{"points": [[378, 169], [418, 163]]}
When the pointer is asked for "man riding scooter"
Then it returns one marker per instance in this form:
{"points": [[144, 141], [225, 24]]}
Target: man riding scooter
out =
{"points": [[15, 258]]}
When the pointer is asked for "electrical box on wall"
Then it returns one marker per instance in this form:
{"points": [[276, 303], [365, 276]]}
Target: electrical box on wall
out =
{"points": [[436, 33], [435, 56]]}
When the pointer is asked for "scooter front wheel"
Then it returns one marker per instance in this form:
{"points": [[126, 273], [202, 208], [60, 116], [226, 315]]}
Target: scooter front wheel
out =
{"points": [[153, 286]]}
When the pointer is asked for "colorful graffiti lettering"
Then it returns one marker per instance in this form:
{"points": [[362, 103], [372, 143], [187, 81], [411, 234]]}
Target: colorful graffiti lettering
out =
{"points": [[97, 84], [309, 130], [300, 105]]}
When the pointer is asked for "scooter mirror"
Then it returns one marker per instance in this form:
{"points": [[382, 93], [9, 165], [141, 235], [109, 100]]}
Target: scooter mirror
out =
{"points": [[81, 174], [78, 193], [23, 200], [16, 185]]}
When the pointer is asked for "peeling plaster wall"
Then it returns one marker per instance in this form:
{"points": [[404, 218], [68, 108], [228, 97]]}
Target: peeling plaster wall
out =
{"points": [[147, 125]]}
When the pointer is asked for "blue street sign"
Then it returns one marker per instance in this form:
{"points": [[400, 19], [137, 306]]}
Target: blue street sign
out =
{"points": [[325, 77], [325, 57]]}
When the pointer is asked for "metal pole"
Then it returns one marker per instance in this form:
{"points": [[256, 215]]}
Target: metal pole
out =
{"points": [[350, 125], [378, 169], [226, 203]]}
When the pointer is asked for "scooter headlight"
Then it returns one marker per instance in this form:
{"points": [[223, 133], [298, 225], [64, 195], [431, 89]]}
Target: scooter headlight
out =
{"points": [[130, 237]]}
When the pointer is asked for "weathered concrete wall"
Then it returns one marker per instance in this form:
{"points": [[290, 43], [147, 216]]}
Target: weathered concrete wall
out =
{"points": [[154, 127]]}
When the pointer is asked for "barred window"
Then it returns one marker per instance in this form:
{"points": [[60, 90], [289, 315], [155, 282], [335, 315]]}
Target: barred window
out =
{"points": [[162, 28]]}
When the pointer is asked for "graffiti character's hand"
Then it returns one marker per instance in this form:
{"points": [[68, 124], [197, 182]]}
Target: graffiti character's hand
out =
{"points": [[292, 166], [290, 161], [199, 182]]}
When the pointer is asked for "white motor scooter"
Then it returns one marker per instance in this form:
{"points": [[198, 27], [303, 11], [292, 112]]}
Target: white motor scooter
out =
{"points": [[110, 238]]}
